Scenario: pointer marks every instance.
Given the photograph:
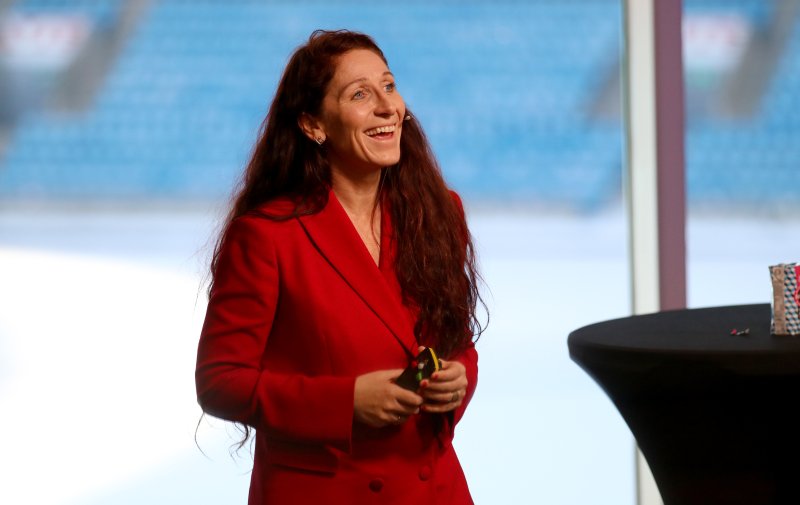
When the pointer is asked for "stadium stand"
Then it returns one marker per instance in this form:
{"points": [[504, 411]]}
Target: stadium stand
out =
{"points": [[504, 89], [180, 109], [755, 161]]}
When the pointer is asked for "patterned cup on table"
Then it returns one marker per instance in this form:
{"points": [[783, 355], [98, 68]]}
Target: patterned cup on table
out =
{"points": [[785, 299]]}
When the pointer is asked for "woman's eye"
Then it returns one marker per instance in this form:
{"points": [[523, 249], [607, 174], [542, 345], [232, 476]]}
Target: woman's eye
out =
{"points": [[358, 95], [390, 86]]}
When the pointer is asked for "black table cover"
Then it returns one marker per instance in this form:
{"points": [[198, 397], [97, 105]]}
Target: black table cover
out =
{"points": [[717, 416]]}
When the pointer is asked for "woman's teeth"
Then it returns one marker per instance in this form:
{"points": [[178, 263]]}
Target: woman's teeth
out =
{"points": [[381, 129]]}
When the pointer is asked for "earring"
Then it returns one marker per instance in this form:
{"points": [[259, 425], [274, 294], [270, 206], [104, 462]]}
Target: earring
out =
{"points": [[320, 140], [407, 118]]}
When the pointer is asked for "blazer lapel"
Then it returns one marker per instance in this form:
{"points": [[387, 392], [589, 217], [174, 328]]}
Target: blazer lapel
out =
{"points": [[334, 235]]}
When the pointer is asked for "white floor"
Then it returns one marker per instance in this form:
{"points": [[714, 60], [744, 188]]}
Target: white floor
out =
{"points": [[100, 313]]}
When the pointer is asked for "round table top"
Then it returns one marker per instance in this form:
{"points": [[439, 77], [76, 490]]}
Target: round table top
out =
{"points": [[689, 335]]}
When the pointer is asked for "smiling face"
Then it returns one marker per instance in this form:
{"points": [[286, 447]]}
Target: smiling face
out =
{"points": [[361, 116]]}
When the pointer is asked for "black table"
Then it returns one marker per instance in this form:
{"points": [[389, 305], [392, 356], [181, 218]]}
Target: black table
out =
{"points": [[716, 416]]}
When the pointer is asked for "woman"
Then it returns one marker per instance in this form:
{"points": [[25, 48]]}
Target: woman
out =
{"points": [[344, 252]]}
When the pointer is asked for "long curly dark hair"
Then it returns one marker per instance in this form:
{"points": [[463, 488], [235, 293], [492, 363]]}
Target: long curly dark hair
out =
{"points": [[435, 260]]}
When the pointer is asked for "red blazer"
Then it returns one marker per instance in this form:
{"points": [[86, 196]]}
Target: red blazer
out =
{"points": [[298, 310]]}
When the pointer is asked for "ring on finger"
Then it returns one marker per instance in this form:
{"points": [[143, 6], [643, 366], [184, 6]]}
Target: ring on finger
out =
{"points": [[455, 397]]}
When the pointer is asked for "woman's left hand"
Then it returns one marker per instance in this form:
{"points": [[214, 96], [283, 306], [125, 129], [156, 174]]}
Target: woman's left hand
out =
{"points": [[446, 388]]}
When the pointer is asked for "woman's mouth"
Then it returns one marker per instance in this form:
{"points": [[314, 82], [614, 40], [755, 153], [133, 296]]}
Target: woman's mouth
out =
{"points": [[381, 132]]}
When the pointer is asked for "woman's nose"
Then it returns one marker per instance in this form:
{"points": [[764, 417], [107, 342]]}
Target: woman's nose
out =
{"points": [[385, 105]]}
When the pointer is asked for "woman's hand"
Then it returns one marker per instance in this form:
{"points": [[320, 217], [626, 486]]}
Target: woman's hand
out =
{"points": [[446, 389], [380, 402]]}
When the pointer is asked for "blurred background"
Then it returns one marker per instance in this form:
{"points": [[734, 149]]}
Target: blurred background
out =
{"points": [[124, 125]]}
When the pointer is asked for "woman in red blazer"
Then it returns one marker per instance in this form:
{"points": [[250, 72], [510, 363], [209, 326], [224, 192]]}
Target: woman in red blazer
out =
{"points": [[344, 252]]}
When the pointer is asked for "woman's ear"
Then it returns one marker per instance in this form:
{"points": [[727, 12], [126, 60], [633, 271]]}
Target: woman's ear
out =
{"points": [[311, 128]]}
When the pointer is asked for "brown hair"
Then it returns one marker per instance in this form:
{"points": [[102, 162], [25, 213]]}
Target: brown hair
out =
{"points": [[435, 262]]}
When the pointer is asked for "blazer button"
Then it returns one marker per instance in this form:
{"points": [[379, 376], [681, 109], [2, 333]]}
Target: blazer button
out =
{"points": [[425, 473], [376, 485]]}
